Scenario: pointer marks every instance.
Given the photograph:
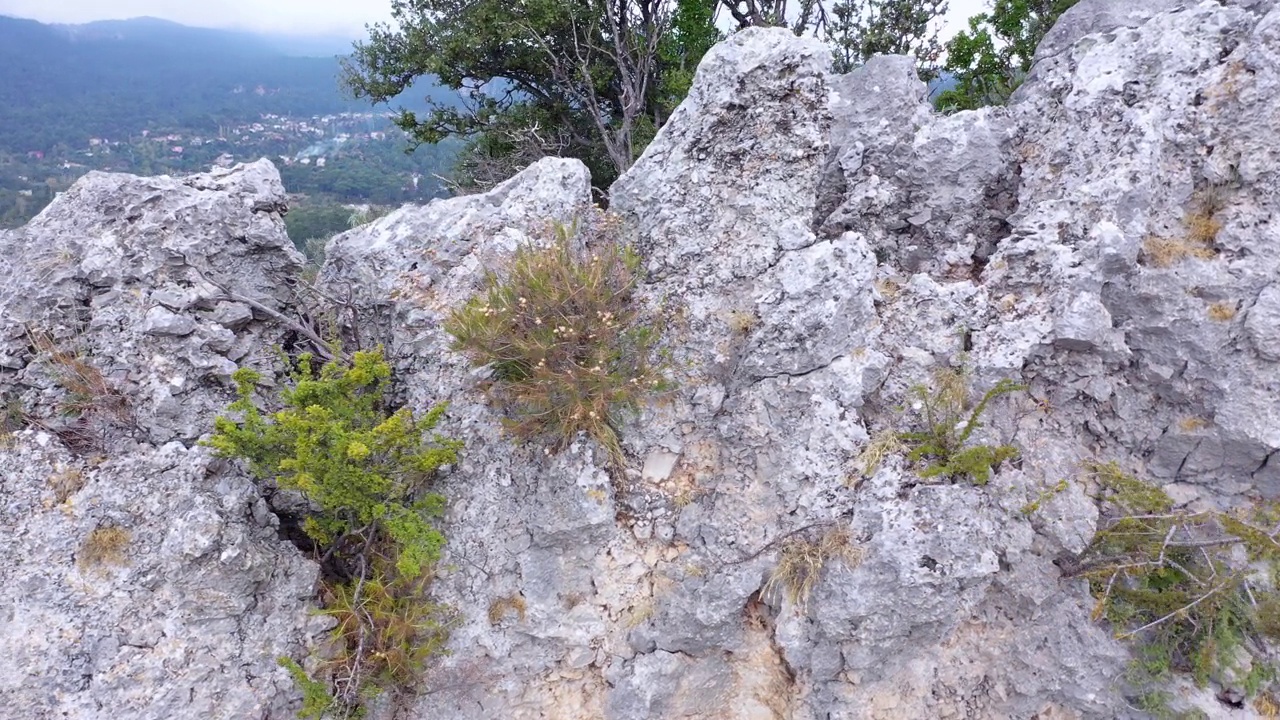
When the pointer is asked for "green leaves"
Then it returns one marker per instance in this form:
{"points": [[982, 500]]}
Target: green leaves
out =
{"points": [[993, 57], [947, 422], [334, 442], [859, 29], [1194, 590], [316, 698], [524, 69], [365, 470]]}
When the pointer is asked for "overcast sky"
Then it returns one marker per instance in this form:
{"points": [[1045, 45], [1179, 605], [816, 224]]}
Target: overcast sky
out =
{"points": [[301, 17]]}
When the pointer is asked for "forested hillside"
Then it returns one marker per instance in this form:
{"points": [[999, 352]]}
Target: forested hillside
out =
{"points": [[66, 84], [154, 97]]}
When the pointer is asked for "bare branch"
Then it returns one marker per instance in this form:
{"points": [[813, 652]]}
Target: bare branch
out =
{"points": [[1175, 613]]}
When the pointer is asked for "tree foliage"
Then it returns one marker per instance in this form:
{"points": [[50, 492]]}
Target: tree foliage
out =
{"points": [[947, 419], [859, 29], [334, 442], [855, 29], [993, 57], [364, 469], [589, 79]]}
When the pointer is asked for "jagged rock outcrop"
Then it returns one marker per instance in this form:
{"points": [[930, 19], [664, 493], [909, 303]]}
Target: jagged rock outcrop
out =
{"points": [[118, 346], [830, 242]]}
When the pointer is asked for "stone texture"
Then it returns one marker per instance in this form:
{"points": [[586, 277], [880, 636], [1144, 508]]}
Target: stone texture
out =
{"points": [[830, 242], [102, 298], [869, 242]]}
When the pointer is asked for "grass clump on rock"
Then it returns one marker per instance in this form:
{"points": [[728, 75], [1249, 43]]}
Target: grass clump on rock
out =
{"points": [[366, 470], [801, 561], [568, 346], [1195, 590], [106, 545], [946, 420]]}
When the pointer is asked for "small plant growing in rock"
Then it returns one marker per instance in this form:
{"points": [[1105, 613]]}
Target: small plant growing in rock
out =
{"points": [[366, 470], [104, 546], [89, 406], [66, 482], [317, 701], [87, 390], [388, 631], [743, 322], [801, 560], [947, 420], [569, 348], [1194, 590], [883, 444], [1201, 226], [502, 607], [1222, 312]]}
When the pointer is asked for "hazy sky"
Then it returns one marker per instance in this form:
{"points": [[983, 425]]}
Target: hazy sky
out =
{"points": [[337, 17]]}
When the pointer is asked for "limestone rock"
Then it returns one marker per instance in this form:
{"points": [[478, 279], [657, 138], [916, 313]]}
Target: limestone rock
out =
{"points": [[1111, 240], [183, 614]]}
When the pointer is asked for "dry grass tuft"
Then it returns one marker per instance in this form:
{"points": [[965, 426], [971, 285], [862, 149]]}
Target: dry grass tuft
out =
{"points": [[104, 546], [500, 608], [742, 322], [1202, 225], [882, 445], [1222, 312], [1165, 252], [888, 288], [1202, 228], [87, 389], [65, 483], [1192, 424], [800, 563]]}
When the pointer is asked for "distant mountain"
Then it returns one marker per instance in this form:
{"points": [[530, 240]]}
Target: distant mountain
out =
{"points": [[326, 46], [64, 84]]}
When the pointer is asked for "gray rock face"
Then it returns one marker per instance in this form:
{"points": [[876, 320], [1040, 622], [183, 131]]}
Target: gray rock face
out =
{"points": [[930, 193], [1109, 240], [111, 342]]}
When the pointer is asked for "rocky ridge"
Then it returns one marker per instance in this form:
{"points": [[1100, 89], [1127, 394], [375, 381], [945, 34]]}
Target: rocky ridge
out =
{"points": [[869, 240]]}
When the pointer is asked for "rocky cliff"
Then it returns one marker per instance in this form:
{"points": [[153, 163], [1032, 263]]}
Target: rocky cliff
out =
{"points": [[830, 242]]}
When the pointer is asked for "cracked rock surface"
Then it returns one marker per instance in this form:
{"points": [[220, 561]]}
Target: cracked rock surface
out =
{"points": [[830, 242], [118, 345]]}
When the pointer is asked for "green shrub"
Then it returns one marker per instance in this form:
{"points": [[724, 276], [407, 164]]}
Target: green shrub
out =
{"points": [[1195, 590], [316, 698], [946, 422], [569, 348], [365, 470]]}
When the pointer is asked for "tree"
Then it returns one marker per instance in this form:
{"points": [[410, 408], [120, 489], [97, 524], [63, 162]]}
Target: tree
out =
{"points": [[856, 29], [992, 58], [589, 79], [859, 29]]}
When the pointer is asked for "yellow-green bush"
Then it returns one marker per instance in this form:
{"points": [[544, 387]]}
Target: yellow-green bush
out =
{"points": [[367, 470], [569, 348]]}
